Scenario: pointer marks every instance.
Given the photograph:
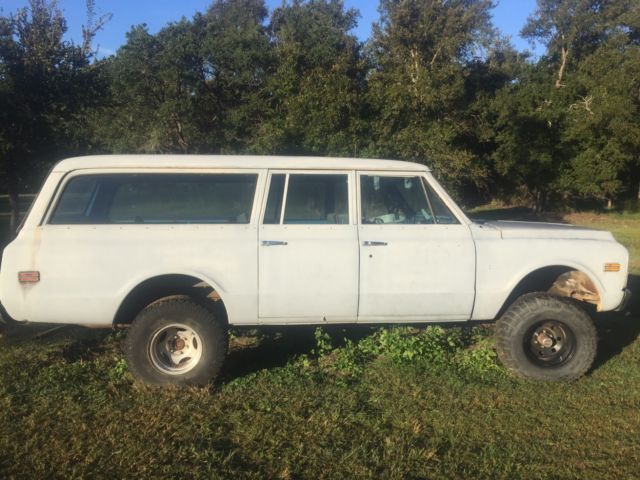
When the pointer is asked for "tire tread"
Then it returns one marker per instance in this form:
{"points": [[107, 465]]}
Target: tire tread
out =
{"points": [[144, 321], [523, 309]]}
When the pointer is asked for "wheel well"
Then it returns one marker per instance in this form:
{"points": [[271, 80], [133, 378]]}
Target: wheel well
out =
{"points": [[557, 280], [157, 288]]}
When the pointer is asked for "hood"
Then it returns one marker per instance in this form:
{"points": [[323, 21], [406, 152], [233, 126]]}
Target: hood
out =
{"points": [[509, 229]]}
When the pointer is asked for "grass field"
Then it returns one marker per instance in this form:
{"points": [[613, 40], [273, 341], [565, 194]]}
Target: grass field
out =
{"points": [[300, 403]]}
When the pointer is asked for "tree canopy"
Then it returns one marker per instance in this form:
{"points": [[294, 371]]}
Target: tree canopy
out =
{"points": [[436, 83]]}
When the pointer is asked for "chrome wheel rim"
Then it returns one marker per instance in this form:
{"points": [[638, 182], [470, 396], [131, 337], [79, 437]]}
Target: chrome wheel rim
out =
{"points": [[550, 343], [175, 349]]}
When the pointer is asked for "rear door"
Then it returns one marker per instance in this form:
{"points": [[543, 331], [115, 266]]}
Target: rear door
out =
{"points": [[417, 259], [308, 248]]}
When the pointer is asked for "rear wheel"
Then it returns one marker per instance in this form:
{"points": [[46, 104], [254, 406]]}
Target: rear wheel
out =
{"points": [[177, 342], [545, 337]]}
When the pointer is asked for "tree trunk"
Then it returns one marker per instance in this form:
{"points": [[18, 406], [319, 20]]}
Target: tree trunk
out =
{"points": [[182, 142], [565, 54], [540, 201]]}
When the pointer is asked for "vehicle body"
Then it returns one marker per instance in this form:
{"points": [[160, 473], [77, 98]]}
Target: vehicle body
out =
{"points": [[288, 240]]}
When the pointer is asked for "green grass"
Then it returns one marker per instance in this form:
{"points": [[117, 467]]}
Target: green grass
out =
{"points": [[300, 403]]}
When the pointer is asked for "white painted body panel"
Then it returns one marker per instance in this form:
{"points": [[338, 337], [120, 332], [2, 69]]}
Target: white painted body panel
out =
{"points": [[505, 258], [543, 230], [105, 265], [311, 279], [323, 274], [423, 271], [98, 265]]}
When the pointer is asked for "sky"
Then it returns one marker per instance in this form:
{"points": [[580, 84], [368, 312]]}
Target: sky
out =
{"points": [[509, 16]]}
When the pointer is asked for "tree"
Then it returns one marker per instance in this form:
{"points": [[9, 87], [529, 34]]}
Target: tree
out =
{"points": [[237, 55], [45, 85], [423, 51], [194, 87], [603, 124], [592, 64], [487, 79], [528, 155], [570, 29], [157, 91], [314, 88]]}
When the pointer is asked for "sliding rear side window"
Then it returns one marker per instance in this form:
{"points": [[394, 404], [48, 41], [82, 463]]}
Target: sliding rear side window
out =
{"points": [[157, 199]]}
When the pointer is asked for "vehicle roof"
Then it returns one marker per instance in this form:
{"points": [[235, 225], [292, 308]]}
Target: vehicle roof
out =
{"points": [[233, 161]]}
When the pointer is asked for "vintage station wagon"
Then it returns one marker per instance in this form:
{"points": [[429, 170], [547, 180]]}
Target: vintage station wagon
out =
{"points": [[178, 248]]}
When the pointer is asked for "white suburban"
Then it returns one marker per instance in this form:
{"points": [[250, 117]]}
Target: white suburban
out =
{"points": [[178, 248]]}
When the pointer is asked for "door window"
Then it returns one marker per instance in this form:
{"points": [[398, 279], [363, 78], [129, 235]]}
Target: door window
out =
{"points": [[310, 199], [401, 200], [394, 200]]}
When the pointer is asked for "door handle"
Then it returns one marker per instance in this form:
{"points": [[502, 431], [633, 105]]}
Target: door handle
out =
{"points": [[367, 243], [272, 243]]}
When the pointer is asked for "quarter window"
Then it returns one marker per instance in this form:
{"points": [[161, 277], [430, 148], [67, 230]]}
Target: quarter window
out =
{"points": [[441, 212], [75, 204], [157, 199]]}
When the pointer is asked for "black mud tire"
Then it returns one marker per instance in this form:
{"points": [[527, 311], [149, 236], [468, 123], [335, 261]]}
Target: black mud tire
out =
{"points": [[162, 316], [518, 334]]}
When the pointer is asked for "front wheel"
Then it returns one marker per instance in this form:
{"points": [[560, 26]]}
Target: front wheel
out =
{"points": [[545, 337], [177, 342]]}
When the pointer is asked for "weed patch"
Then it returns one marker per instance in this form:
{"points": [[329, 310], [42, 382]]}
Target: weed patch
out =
{"points": [[464, 351]]}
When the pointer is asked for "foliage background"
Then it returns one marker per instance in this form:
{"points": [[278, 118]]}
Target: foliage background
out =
{"points": [[436, 83]]}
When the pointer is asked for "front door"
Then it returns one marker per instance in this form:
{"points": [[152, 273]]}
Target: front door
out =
{"points": [[308, 249], [417, 260]]}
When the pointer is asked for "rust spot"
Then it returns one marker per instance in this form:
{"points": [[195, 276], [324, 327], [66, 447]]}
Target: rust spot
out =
{"points": [[213, 295], [575, 284], [35, 247]]}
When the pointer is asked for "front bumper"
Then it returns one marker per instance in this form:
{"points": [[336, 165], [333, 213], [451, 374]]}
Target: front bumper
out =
{"points": [[626, 298]]}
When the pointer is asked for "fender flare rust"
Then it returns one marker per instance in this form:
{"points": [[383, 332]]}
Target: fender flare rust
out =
{"points": [[572, 281]]}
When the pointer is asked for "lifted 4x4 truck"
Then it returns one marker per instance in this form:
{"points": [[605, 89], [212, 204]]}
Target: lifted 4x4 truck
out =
{"points": [[180, 248]]}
